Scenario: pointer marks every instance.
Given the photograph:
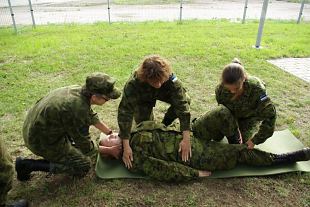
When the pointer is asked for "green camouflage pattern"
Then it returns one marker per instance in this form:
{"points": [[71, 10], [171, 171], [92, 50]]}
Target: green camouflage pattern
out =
{"points": [[155, 151], [215, 124], [139, 98], [57, 121], [6, 173], [254, 111]]}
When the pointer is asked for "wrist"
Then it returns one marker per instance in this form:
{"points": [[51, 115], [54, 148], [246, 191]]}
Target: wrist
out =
{"points": [[109, 132]]}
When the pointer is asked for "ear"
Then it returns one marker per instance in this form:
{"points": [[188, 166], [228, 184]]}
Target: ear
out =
{"points": [[93, 99]]}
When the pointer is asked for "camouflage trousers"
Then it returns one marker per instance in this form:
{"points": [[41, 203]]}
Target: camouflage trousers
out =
{"points": [[144, 111], [6, 173], [222, 156], [220, 122], [66, 159]]}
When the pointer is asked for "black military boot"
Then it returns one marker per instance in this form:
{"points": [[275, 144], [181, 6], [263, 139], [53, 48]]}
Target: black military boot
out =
{"points": [[235, 139], [20, 203], [292, 157], [24, 167]]}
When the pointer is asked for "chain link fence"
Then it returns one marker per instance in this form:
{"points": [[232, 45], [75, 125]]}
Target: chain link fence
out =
{"points": [[91, 11]]}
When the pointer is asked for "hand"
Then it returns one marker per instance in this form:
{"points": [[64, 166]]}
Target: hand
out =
{"points": [[240, 135], [185, 147], [250, 144], [127, 154], [202, 173], [115, 151]]}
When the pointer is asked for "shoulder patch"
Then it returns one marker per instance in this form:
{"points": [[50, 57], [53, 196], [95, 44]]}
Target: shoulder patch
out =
{"points": [[173, 77], [263, 97]]}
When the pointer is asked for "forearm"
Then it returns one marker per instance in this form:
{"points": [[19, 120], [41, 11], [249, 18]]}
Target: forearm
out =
{"points": [[186, 135], [184, 121], [103, 127], [267, 127], [265, 131]]}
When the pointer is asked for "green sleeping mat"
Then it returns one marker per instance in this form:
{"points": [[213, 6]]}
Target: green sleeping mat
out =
{"points": [[281, 142]]}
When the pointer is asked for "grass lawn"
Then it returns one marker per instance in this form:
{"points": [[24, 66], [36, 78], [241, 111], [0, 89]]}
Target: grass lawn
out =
{"points": [[37, 61]]}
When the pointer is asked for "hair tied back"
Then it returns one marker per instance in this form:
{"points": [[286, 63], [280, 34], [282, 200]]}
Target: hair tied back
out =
{"points": [[236, 60]]}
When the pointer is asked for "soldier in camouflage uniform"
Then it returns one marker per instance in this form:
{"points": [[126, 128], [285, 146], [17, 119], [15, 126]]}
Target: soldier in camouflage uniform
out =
{"points": [[246, 99], [152, 81], [57, 128], [6, 178], [155, 148]]}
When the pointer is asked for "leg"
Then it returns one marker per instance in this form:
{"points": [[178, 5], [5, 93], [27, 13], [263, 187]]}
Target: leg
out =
{"points": [[215, 124], [6, 173], [255, 157], [144, 112], [84, 143], [218, 156], [74, 162], [69, 160]]}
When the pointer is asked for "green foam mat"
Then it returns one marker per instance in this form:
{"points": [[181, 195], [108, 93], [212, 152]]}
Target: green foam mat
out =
{"points": [[281, 142]]}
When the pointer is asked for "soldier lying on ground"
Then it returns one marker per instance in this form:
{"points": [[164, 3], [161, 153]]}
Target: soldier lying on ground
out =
{"points": [[57, 128], [156, 151]]}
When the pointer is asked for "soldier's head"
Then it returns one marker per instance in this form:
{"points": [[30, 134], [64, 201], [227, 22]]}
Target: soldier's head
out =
{"points": [[154, 70], [110, 146], [233, 76], [99, 88]]}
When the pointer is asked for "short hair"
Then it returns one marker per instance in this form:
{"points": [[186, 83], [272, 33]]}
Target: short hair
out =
{"points": [[154, 68], [233, 73]]}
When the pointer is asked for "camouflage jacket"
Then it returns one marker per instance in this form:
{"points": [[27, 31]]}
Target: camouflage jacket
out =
{"points": [[253, 104], [64, 112], [138, 93], [156, 154]]}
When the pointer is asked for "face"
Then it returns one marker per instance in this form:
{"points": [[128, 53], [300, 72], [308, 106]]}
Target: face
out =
{"points": [[110, 146], [234, 88], [111, 140], [99, 100], [156, 84]]}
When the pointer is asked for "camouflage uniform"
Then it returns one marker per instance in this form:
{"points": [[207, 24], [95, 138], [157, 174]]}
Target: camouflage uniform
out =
{"points": [[215, 124], [6, 173], [252, 110], [55, 122], [139, 98], [155, 151]]}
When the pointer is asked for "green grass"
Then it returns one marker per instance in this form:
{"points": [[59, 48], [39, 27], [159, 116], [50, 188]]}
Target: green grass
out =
{"points": [[299, 1], [36, 61]]}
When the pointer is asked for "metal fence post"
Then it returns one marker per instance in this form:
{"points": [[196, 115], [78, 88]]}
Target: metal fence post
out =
{"points": [[181, 8], [12, 15], [109, 13], [244, 11], [300, 11], [31, 11], [261, 24]]}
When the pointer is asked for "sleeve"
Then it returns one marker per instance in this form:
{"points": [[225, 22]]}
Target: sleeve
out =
{"points": [[167, 170], [76, 124], [218, 90], [126, 111], [94, 118], [267, 113], [180, 101]]}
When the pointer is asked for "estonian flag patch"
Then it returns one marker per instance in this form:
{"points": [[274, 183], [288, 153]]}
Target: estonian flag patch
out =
{"points": [[173, 77], [263, 97]]}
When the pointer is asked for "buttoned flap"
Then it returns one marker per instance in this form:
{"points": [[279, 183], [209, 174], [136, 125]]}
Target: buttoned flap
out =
{"points": [[145, 137]]}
